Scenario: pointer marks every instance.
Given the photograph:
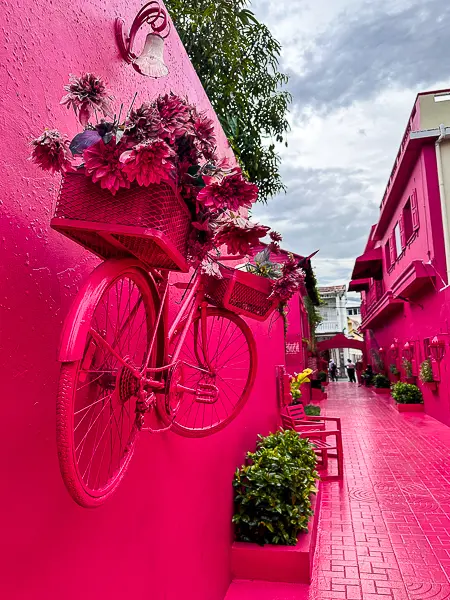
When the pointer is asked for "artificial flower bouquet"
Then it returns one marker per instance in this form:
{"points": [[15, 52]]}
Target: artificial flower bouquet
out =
{"points": [[162, 146]]}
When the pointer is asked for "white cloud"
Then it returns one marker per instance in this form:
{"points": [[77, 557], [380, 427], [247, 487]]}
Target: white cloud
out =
{"points": [[356, 69]]}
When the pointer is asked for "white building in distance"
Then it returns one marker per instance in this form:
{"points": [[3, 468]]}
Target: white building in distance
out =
{"points": [[339, 316]]}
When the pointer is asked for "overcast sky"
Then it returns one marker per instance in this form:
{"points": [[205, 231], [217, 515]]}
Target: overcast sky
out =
{"points": [[355, 68]]}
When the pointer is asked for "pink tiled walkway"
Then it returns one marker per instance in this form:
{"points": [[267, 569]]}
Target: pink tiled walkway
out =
{"points": [[385, 530]]}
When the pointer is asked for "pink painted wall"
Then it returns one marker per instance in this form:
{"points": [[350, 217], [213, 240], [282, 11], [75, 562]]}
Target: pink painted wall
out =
{"points": [[428, 243], [298, 330], [166, 535]]}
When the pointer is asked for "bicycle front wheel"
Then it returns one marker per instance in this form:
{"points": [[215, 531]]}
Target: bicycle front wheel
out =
{"points": [[231, 353], [97, 425]]}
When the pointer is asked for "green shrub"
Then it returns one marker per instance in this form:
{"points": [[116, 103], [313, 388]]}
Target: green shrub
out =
{"points": [[393, 369], [272, 492], [406, 393], [381, 381], [407, 366], [312, 410], [322, 376], [426, 372]]}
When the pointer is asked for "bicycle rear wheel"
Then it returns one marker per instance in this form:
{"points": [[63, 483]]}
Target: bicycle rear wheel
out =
{"points": [[97, 425], [232, 354]]}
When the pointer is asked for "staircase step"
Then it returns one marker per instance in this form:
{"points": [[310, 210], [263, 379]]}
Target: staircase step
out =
{"points": [[263, 590]]}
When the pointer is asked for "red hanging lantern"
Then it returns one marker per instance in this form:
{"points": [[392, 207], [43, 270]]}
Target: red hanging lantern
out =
{"points": [[382, 352], [437, 349], [408, 350]]}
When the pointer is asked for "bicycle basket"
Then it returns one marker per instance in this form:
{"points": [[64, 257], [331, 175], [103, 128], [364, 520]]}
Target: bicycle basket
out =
{"points": [[242, 293], [151, 223]]}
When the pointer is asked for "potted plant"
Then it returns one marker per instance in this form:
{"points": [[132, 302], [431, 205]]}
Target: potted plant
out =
{"points": [[312, 410], [277, 505], [394, 371], [407, 368], [322, 376], [273, 491], [296, 381], [408, 397], [382, 384], [426, 375]]}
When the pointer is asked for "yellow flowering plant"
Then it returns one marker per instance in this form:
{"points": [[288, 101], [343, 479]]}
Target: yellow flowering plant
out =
{"points": [[297, 380]]}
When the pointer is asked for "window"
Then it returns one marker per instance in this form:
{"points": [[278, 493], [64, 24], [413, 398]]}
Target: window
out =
{"points": [[407, 220], [387, 255], [398, 240]]}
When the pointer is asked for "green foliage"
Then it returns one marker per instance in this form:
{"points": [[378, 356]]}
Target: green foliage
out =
{"points": [[426, 372], [314, 318], [393, 369], [407, 367], [236, 59], [272, 492], [406, 393], [381, 381], [376, 358], [321, 376], [264, 267], [312, 410]]}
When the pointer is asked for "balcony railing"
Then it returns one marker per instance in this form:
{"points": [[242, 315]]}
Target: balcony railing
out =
{"points": [[373, 295], [328, 327]]}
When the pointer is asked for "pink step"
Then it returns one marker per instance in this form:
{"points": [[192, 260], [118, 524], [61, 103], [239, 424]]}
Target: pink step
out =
{"points": [[261, 590]]}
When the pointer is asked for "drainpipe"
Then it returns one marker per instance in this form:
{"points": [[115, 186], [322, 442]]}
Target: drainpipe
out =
{"points": [[443, 136]]}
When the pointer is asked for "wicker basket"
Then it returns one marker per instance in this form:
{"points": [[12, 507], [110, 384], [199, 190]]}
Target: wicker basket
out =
{"points": [[242, 293], [151, 223]]}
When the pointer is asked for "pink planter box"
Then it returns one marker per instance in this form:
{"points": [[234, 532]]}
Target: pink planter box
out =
{"points": [[385, 391], [285, 564], [409, 407]]}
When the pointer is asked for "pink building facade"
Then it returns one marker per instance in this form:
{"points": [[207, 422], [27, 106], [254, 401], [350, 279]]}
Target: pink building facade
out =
{"points": [[166, 534], [402, 274]]}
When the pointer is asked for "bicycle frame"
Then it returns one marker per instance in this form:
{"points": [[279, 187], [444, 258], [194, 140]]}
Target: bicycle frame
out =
{"points": [[194, 300]]}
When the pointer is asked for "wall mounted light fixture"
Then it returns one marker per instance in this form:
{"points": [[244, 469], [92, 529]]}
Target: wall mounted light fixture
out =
{"points": [[151, 60], [408, 350], [394, 349], [437, 348]]}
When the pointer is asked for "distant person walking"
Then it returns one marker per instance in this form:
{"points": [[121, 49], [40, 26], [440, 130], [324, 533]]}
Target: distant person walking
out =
{"points": [[332, 370], [359, 367], [351, 371]]}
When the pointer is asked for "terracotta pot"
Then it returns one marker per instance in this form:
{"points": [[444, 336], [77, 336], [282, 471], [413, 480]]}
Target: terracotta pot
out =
{"points": [[382, 391], [409, 407]]}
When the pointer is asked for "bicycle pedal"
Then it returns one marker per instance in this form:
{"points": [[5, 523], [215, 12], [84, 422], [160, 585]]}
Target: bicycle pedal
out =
{"points": [[206, 393]]}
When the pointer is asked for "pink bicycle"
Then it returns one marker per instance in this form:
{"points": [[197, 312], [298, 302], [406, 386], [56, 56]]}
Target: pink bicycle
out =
{"points": [[121, 361]]}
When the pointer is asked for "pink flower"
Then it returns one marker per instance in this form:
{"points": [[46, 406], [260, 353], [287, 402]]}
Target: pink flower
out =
{"points": [[144, 123], [274, 245], [149, 162], [290, 281], [240, 235], [51, 152], [174, 113], [211, 268], [275, 236], [87, 94], [203, 128], [102, 163], [231, 193]]}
